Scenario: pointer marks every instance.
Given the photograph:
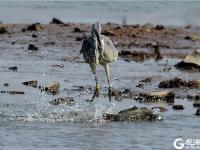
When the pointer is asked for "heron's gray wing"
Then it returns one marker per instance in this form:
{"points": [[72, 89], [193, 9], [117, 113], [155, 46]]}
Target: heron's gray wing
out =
{"points": [[85, 44], [88, 49], [110, 51]]}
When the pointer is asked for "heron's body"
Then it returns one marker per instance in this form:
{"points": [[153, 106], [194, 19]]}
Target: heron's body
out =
{"points": [[99, 49], [110, 52], [91, 52]]}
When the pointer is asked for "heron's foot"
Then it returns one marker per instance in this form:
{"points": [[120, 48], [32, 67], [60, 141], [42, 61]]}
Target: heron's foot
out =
{"points": [[110, 92], [97, 90], [96, 93]]}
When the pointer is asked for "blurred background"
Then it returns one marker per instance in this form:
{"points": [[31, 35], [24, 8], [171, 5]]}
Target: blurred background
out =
{"points": [[176, 13]]}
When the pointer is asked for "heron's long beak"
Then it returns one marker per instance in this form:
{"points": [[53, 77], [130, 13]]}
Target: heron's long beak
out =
{"points": [[98, 37]]}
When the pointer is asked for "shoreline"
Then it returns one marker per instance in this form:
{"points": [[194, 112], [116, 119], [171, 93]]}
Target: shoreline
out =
{"points": [[172, 40], [34, 56]]}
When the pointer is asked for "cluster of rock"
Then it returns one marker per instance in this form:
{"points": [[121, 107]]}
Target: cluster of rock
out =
{"points": [[33, 27], [156, 96], [177, 82], [52, 88], [63, 101], [190, 62], [3, 30], [132, 114]]}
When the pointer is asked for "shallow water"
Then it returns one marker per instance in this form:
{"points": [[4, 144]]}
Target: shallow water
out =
{"points": [[29, 122], [129, 12]]}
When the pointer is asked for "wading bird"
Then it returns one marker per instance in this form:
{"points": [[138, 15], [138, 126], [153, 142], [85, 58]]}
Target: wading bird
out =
{"points": [[99, 49]]}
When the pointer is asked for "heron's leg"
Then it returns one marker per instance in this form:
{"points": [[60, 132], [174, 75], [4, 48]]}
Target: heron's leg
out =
{"points": [[108, 78], [96, 93]]}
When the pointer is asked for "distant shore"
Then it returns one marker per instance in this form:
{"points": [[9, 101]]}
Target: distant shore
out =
{"points": [[173, 41]]}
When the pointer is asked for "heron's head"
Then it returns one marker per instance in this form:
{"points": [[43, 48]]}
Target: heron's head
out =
{"points": [[95, 31]]}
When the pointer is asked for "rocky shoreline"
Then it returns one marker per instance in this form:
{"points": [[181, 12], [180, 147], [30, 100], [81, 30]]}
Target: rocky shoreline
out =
{"points": [[134, 38], [137, 43]]}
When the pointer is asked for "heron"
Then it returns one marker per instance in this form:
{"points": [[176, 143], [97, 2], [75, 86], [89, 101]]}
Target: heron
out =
{"points": [[99, 49]]}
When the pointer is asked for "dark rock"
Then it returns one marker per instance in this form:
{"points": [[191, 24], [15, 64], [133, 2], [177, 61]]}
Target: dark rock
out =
{"points": [[49, 43], [173, 83], [110, 117], [63, 101], [187, 66], [132, 114], [197, 97], [120, 95], [58, 66], [14, 68], [188, 26], [190, 97], [24, 30], [118, 27], [137, 114], [177, 82], [34, 35], [68, 24], [136, 26], [127, 110], [196, 103], [140, 85], [178, 107], [76, 29], [6, 84], [108, 33], [136, 56], [125, 91], [32, 83], [82, 88], [13, 92], [3, 30], [197, 112], [192, 38], [32, 47], [35, 27], [125, 53], [190, 62], [57, 21], [159, 27], [166, 69], [13, 43], [188, 37], [147, 80], [52, 88], [163, 96], [194, 83], [133, 35]]}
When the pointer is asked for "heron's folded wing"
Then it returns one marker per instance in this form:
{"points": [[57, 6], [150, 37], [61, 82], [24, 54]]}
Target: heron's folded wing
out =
{"points": [[110, 51], [84, 45]]}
